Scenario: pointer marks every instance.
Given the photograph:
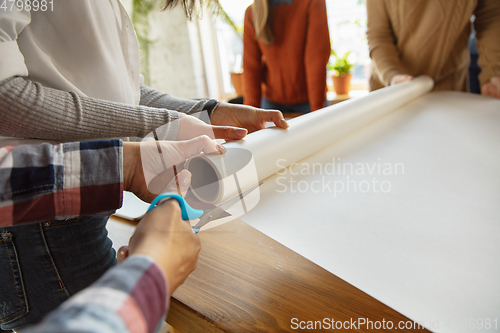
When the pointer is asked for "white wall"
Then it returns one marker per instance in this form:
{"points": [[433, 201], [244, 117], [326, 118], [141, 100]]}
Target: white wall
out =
{"points": [[172, 63], [176, 57]]}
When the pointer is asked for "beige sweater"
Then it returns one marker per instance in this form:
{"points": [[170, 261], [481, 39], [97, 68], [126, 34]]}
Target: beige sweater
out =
{"points": [[430, 37]]}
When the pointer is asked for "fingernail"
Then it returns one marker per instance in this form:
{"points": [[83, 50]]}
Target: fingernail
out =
{"points": [[241, 132], [122, 253], [283, 122], [221, 149]]}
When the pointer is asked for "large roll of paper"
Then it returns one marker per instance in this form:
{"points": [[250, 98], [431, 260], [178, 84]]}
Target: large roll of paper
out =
{"points": [[217, 178]]}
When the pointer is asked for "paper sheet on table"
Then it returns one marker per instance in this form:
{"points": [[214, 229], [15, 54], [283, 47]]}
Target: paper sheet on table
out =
{"points": [[132, 208], [272, 149], [405, 206], [429, 247]]}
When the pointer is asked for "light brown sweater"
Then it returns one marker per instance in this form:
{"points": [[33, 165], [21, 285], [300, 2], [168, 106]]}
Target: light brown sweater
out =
{"points": [[431, 37]]}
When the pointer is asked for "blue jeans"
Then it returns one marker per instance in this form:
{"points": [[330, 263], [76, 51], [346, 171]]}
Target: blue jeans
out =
{"points": [[43, 264], [285, 108]]}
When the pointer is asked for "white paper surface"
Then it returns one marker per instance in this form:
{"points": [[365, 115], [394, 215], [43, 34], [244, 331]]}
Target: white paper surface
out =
{"points": [[132, 208], [429, 247], [274, 148]]}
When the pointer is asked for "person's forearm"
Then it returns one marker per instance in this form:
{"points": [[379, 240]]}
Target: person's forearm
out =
{"points": [[157, 99], [30, 110], [382, 46], [132, 297], [386, 63], [42, 182]]}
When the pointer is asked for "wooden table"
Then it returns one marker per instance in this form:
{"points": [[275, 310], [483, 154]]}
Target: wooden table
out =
{"points": [[247, 282]]}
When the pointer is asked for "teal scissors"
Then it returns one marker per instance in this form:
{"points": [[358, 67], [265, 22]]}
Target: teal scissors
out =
{"points": [[189, 213]]}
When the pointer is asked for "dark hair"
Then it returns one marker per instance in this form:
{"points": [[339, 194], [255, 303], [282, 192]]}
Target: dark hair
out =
{"points": [[189, 5]]}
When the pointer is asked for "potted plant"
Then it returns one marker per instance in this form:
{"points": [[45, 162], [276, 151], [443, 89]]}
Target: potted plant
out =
{"points": [[341, 66]]}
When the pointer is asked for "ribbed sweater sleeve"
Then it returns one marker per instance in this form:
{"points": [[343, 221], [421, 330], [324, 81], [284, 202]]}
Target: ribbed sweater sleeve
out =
{"points": [[252, 67], [30, 110], [157, 99], [317, 52], [381, 43], [487, 25]]}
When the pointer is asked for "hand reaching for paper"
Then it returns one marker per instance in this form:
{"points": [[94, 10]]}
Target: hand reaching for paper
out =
{"points": [[399, 78], [251, 118], [191, 127], [228, 122], [492, 87]]}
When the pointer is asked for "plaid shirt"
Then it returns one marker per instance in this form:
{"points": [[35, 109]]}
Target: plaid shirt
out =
{"points": [[40, 182], [131, 297]]}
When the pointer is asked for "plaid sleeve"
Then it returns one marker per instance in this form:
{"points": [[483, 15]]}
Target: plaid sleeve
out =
{"points": [[130, 298], [40, 182]]}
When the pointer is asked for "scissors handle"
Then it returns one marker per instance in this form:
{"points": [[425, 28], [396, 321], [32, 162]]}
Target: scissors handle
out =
{"points": [[188, 212]]}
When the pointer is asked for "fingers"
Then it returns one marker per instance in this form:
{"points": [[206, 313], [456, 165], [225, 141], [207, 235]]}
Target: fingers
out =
{"points": [[191, 127], [399, 78], [167, 182], [196, 146], [495, 80], [273, 116], [229, 132], [489, 89], [169, 240], [180, 184], [492, 87], [486, 89], [162, 160]]}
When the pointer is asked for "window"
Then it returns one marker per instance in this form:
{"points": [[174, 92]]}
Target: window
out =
{"points": [[347, 24], [346, 21]]}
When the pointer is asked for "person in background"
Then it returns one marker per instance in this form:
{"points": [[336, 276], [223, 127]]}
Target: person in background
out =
{"points": [[286, 46], [162, 252], [430, 37], [69, 73], [474, 69]]}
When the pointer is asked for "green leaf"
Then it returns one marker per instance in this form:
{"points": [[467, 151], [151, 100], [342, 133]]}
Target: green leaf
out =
{"points": [[341, 65]]}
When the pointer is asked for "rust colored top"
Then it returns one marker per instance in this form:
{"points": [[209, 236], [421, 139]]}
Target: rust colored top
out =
{"points": [[431, 37], [293, 69]]}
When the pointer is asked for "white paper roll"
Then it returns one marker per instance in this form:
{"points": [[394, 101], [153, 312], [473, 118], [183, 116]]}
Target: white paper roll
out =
{"points": [[217, 178], [274, 148]]}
